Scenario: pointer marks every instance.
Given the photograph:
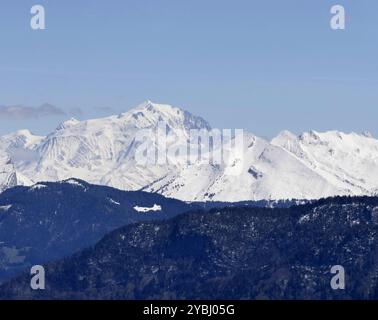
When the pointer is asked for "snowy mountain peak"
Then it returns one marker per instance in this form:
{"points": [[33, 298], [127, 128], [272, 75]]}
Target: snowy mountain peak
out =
{"points": [[367, 134], [19, 139], [333, 136], [154, 107], [67, 124], [149, 114], [310, 137], [154, 110], [24, 132], [283, 136], [105, 151]]}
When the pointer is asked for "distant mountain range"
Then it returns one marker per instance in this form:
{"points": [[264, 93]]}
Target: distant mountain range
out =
{"points": [[179, 230], [230, 253], [103, 151], [49, 221]]}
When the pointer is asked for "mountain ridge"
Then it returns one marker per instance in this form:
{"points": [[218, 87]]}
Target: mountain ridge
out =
{"points": [[103, 151]]}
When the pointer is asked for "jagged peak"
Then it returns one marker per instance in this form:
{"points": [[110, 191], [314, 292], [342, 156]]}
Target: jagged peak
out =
{"points": [[311, 135], [332, 135], [21, 133], [68, 123], [24, 132], [154, 112], [284, 135], [314, 135], [367, 134], [149, 106]]}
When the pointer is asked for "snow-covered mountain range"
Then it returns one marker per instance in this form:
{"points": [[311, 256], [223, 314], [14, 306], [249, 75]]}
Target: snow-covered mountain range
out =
{"points": [[104, 151]]}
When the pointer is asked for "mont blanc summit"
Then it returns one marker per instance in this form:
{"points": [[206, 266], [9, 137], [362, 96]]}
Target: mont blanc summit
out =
{"points": [[104, 151]]}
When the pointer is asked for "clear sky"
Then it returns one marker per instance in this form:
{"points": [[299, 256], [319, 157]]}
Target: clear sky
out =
{"points": [[262, 65]]}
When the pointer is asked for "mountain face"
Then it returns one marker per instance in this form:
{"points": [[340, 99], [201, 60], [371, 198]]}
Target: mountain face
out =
{"points": [[232, 253], [347, 161], [8, 176], [48, 221], [99, 151], [105, 151]]}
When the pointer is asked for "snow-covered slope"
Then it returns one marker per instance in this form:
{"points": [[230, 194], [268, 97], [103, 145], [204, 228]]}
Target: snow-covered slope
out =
{"points": [[101, 150], [347, 161], [269, 172], [7, 172], [105, 151]]}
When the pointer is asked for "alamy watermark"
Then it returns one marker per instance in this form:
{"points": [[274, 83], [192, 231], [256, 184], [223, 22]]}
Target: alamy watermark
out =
{"points": [[338, 280], [38, 20], [338, 17], [37, 281], [161, 146]]}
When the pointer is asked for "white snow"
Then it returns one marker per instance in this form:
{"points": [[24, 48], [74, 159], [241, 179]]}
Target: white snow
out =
{"points": [[114, 202], [5, 208], [74, 182], [155, 207], [37, 186], [8, 177], [304, 218], [23, 180], [103, 151]]}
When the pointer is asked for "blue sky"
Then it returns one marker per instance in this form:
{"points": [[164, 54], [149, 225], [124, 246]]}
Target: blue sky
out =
{"points": [[259, 65]]}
